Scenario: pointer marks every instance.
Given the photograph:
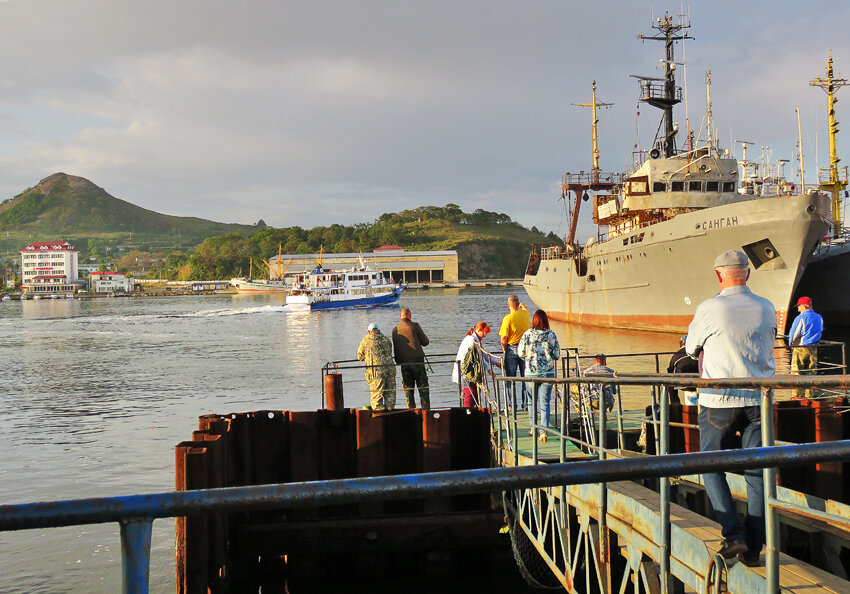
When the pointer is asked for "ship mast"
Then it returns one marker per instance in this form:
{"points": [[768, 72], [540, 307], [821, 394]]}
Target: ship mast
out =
{"points": [[580, 183], [833, 183], [594, 144], [800, 147], [665, 96]]}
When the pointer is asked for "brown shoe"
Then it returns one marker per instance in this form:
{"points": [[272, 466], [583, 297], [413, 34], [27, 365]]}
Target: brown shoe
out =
{"points": [[729, 549]]}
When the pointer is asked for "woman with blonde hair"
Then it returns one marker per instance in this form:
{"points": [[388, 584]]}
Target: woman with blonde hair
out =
{"points": [[473, 339]]}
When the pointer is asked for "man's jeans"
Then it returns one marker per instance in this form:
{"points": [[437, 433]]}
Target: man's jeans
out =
{"points": [[515, 367], [717, 427]]}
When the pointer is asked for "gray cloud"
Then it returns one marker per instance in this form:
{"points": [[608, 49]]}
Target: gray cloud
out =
{"points": [[312, 113]]}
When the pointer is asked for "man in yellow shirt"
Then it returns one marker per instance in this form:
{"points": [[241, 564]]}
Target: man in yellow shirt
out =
{"points": [[513, 327]]}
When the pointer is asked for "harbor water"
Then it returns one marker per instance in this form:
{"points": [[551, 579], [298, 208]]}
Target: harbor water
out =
{"points": [[96, 393]]}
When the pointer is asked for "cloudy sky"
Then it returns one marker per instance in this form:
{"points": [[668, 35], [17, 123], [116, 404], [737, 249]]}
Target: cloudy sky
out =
{"points": [[308, 113]]}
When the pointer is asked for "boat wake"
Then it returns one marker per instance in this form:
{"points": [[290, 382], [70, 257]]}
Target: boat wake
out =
{"points": [[215, 313]]}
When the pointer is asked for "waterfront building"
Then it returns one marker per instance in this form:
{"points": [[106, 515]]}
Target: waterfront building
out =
{"points": [[404, 267], [110, 282], [49, 268]]}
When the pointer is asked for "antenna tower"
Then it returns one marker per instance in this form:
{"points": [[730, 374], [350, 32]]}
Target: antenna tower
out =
{"points": [[663, 93], [832, 182]]}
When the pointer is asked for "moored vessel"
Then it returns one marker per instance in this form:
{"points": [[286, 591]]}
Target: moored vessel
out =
{"points": [[660, 226], [275, 284]]}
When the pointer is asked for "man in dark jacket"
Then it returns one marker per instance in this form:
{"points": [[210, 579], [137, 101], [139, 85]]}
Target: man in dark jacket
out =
{"points": [[680, 362], [408, 340]]}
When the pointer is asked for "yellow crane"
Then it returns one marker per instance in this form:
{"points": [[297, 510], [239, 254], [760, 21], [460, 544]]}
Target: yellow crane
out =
{"points": [[280, 271], [833, 183]]}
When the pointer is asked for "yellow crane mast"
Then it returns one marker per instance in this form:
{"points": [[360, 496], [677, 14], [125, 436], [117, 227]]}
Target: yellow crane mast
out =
{"points": [[830, 181]]}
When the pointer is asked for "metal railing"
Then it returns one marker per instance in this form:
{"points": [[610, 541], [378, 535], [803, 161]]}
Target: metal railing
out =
{"points": [[507, 421], [136, 513]]}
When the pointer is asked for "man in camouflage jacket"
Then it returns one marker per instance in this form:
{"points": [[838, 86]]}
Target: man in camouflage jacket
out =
{"points": [[376, 350]]}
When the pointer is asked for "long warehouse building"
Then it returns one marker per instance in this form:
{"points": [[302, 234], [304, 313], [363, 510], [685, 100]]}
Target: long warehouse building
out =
{"points": [[404, 267]]}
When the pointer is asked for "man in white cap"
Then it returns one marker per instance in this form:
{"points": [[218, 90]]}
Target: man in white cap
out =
{"points": [[732, 335], [376, 351], [804, 336]]}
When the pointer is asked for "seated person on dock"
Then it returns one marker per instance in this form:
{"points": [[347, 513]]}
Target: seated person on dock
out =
{"points": [[376, 351], [591, 393]]}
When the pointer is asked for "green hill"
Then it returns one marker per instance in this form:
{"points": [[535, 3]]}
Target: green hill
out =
{"points": [[116, 233], [489, 244], [73, 208]]}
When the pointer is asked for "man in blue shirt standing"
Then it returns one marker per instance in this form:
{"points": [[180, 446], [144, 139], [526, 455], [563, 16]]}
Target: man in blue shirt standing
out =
{"points": [[732, 335], [804, 335]]}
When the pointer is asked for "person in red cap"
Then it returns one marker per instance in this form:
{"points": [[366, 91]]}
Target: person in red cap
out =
{"points": [[804, 336]]}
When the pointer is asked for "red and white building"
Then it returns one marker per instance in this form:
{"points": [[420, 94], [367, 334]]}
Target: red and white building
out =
{"points": [[49, 268], [110, 282]]}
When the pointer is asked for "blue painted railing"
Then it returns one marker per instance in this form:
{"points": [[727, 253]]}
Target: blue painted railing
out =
{"points": [[136, 513]]}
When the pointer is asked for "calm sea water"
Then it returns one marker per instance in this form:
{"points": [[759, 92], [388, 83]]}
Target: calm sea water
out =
{"points": [[96, 393]]}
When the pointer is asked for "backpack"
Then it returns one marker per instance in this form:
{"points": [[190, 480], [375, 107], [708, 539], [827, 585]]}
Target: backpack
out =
{"points": [[471, 367]]}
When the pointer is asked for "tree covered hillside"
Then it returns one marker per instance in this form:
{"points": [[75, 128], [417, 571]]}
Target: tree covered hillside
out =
{"points": [[489, 244]]}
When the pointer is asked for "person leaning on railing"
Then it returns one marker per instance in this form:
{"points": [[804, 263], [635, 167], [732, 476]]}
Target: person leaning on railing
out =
{"points": [[805, 333], [472, 340], [732, 335]]}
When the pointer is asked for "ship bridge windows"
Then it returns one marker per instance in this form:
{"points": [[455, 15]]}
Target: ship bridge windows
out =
{"points": [[712, 186], [677, 186], [659, 186], [695, 186], [728, 186]]}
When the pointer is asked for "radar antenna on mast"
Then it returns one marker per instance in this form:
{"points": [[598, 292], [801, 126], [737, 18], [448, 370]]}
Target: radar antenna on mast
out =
{"points": [[663, 93]]}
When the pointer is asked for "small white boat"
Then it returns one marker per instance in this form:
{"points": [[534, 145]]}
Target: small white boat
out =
{"points": [[358, 287]]}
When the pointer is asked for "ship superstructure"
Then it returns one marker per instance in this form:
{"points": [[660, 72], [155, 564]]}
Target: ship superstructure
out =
{"points": [[661, 225]]}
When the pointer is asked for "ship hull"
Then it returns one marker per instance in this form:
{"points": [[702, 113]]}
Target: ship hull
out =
{"points": [[827, 281], [309, 302], [259, 287], [654, 277]]}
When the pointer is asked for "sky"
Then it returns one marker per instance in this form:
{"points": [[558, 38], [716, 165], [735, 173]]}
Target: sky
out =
{"points": [[312, 113]]}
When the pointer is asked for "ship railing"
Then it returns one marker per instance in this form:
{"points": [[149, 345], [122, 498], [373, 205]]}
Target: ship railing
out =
{"points": [[825, 174], [657, 90], [553, 252], [508, 427], [602, 237], [588, 178]]}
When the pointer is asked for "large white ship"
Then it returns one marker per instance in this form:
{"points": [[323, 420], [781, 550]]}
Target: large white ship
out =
{"points": [[661, 225]]}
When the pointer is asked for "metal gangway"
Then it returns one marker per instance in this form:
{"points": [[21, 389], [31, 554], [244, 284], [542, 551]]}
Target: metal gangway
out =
{"points": [[636, 536]]}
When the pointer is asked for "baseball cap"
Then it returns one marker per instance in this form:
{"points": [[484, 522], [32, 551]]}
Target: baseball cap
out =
{"points": [[732, 259], [804, 301], [373, 326]]}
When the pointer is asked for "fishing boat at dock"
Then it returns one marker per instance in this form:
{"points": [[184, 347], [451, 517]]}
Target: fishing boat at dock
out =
{"points": [[275, 284], [660, 226], [359, 287]]}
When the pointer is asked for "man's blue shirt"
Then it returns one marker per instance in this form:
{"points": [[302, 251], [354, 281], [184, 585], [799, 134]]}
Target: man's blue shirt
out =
{"points": [[808, 327]]}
